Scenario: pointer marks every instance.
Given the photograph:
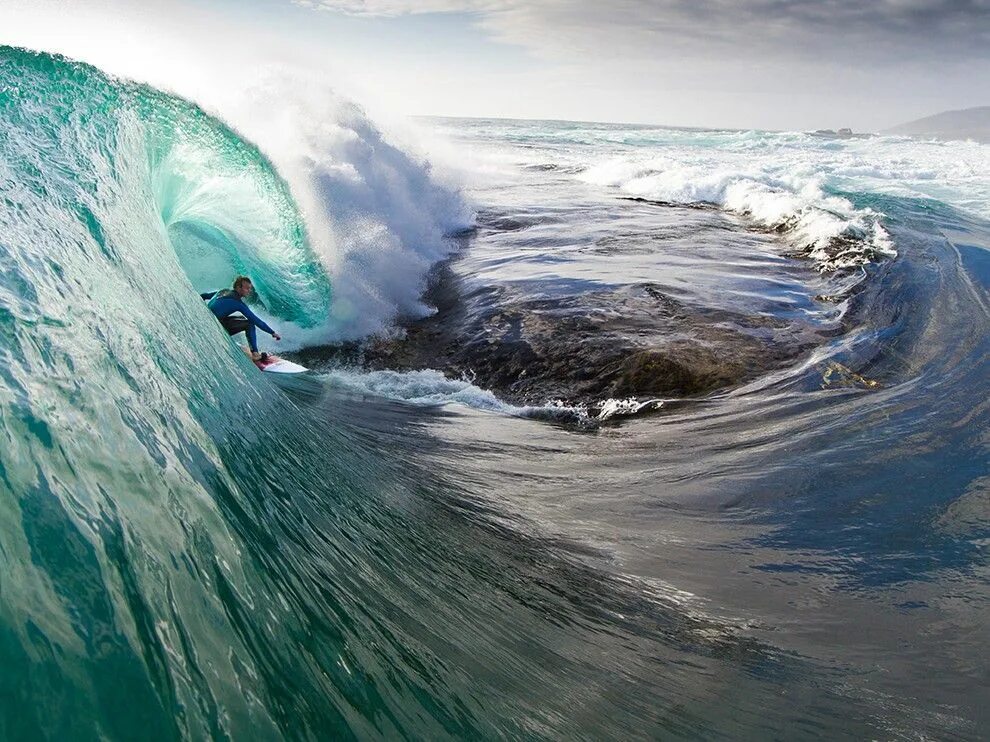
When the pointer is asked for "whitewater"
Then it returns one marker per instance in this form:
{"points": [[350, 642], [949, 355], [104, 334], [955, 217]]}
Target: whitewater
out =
{"points": [[612, 431]]}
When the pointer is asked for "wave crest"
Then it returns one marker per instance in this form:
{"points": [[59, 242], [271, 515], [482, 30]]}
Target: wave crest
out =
{"points": [[825, 227]]}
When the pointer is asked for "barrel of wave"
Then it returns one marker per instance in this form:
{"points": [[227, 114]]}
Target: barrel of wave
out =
{"points": [[115, 198], [227, 211]]}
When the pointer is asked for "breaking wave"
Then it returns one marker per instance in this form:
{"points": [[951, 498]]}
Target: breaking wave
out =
{"points": [[826, 227]]}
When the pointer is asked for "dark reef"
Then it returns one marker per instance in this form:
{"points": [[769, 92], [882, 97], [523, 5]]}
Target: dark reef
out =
{"points": [[634, 341]]}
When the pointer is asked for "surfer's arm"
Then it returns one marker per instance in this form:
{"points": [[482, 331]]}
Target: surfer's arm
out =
{"points": [[255, 319], [208, 295]]}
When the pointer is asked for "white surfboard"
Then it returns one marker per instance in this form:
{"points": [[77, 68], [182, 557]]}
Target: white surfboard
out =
{"points": [[275, 365]]}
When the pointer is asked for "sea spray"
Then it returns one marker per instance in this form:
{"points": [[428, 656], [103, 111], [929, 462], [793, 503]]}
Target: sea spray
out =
{"points": [[377, 216]]}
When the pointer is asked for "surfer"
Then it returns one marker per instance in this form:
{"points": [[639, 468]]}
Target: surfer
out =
{"points": [[226, 302]]}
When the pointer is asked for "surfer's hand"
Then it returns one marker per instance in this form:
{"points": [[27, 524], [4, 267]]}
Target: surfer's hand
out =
{"points": [[276, 336]]}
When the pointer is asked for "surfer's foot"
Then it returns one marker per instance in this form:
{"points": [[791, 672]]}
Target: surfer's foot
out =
{"points": [[256, 356]]}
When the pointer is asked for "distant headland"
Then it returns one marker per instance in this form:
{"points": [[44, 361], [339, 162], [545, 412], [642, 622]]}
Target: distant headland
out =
{"points": [[969, 123]]}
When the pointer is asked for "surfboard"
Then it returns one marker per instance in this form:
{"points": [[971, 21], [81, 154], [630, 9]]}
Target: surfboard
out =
{"points": [[275, 365]]}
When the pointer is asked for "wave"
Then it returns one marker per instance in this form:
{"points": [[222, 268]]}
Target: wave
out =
{"points": [[817, 193], [190, 551], [329, 200], [826, 227], [141, 450]]}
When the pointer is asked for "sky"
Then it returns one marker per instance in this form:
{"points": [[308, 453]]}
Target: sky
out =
{"points": [[772, 64]]}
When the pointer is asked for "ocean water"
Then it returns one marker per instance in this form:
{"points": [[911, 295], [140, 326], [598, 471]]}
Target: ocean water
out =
{"points": [[781, 531]]}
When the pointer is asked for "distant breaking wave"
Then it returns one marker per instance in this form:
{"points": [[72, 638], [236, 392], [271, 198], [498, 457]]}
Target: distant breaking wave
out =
{"points": [[825, 227], [820, 195]]}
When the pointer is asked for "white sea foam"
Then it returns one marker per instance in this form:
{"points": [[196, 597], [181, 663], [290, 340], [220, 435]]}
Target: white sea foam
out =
{"points": [[827, 227], [629, 406], [696, 165], [430, 388]]}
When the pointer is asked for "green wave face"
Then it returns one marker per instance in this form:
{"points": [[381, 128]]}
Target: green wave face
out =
{"points": [[149, 182]]}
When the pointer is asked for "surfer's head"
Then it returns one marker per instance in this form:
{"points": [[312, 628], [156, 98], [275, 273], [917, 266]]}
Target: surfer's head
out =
{"points": [[243, 286]]}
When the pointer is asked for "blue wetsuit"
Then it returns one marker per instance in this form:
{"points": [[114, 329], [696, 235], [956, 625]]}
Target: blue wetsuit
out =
{"points": [[226, 302]]}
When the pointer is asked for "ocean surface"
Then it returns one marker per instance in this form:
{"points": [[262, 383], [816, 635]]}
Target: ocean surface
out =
{"points": [[703, 453]]}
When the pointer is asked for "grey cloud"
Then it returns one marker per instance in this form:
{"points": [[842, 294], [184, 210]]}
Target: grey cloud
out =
{"points": [[859, 30], [392, 8]]}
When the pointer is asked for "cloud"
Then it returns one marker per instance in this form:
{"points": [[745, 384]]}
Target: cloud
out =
{"points": [[393, 8], [856, 31]]}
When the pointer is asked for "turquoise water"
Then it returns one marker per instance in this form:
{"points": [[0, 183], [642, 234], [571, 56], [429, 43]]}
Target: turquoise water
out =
{"points": [[190, 550]]}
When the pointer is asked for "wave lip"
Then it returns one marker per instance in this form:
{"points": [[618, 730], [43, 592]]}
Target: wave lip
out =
{"points": [[824, 227]]}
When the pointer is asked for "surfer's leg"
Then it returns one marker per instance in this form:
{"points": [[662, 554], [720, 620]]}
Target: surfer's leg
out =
{"points": [[234, 325], [252, 336]]}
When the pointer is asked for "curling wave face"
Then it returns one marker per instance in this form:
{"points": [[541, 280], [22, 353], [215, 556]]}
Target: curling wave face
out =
{"points": [[150, 183]]}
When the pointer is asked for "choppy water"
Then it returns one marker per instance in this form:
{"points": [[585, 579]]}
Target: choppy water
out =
{"points": [[189, 550]]}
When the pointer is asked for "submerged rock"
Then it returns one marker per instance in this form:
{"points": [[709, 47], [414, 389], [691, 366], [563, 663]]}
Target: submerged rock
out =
{"points": [[634, 342]]}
